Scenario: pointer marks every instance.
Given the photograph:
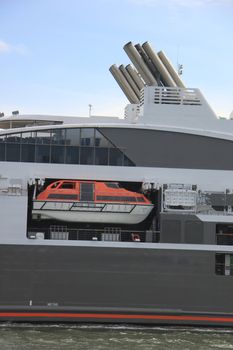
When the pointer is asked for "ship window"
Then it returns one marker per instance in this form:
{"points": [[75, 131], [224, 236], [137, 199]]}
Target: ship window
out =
{"points": [[116, 198], [87, 137], [70, 185], [12, 152], [72, 155], [140, 199], [86, 155], [55, 184], [100, 140], [73, 137], [115, 157], [16, 138], [63, 196], [101, 156], [43, 137], [69, 146], [2, 151], [57, 154], [28, 153], [28, 137], [127, 161], [224, 264], [42, 154], [58, 137]]}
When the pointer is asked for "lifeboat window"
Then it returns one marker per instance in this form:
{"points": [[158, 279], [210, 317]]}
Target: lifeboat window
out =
{"points": [[116, 198], [55, 185], [111, 184], [63, 196], [140, 199], [68, 185]]}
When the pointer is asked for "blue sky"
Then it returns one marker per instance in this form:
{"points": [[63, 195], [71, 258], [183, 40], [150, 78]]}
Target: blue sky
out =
{"points": [[55, 54]]}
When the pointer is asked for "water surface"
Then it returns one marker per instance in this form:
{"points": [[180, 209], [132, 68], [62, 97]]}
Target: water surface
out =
{"points": [[101, 337]]}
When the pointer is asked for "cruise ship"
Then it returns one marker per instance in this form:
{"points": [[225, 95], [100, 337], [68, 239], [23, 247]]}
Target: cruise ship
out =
{"points": [[120, 220]]}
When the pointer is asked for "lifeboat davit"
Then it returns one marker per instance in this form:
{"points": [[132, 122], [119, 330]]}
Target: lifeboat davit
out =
{"points": [[91, 201]]}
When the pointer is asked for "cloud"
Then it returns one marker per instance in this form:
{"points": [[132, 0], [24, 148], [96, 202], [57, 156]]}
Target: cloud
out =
{"points": [[8, 48], [182, 3]]}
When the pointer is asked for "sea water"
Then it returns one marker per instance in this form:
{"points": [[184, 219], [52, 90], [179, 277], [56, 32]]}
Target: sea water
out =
{"points": [[111, 337]]}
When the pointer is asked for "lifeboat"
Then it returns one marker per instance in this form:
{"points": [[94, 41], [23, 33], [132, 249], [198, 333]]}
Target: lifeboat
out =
{"points": [[92, 202]]}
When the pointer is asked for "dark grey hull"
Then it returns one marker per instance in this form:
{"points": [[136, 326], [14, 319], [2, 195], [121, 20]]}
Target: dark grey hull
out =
{"points": [[98, 284]]}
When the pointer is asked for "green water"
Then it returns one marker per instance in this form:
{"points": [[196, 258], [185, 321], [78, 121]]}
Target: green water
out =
{"points": [[83, 337]]}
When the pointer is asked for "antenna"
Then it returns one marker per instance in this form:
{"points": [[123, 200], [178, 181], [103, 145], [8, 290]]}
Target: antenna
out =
{"points": [[90, 107], [179, 65]]}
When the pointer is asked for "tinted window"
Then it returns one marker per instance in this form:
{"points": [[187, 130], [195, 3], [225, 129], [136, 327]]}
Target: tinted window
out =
{"points": [[100, 140], [12, 152], [70, 185], [43, 137], [57, 154], [73, 137], [42, 154], [28, 153], [58, 136], [115, 157], [86, 155], [116, 198], [87, 137], [16, 138], [2, 151], [101, 156], [28, 137], [63, 196], [72, 155], [140, 199]]}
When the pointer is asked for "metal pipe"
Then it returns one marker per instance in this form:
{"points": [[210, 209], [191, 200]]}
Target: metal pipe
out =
{"points": [[124, 85], [130, 80], [134, 75], [167, 63], [159, 65], [148, 62], [140, 64]]}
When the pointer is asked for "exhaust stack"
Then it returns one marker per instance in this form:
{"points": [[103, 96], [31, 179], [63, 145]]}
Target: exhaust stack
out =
{"points": [[170, 69], [139, 64], [124, 85], [159, 65], [134, 75], [130, 80], [148, 62]]}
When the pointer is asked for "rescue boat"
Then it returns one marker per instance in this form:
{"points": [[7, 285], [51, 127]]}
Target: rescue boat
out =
{"points": [[90, 201]]}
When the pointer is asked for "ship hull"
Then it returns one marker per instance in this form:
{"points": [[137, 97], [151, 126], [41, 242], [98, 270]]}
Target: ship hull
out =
{"points": [[112, 284]]}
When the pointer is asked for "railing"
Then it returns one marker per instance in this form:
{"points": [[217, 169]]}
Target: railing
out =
{"points": [[113, 234]]}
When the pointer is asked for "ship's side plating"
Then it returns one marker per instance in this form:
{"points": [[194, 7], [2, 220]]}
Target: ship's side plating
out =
{"points": [[177, 267]]}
